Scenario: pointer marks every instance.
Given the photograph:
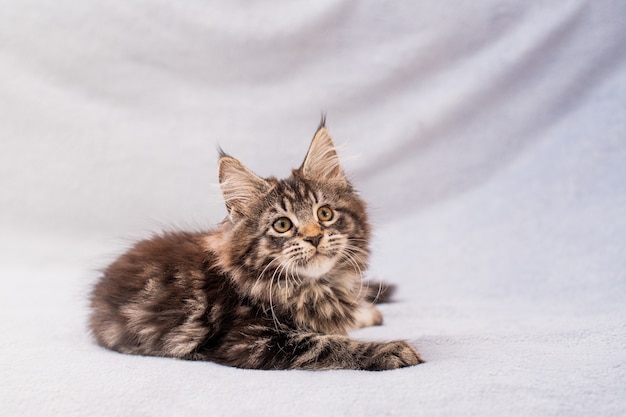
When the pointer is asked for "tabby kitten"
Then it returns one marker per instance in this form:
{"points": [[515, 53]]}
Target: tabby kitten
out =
{"points": [[276, 286]]}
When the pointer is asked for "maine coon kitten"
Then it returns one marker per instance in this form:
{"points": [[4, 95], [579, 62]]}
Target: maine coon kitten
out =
{"points": [[276, 286]]}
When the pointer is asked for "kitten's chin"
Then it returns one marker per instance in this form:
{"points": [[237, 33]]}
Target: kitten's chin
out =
{"points": [[316, 267]]}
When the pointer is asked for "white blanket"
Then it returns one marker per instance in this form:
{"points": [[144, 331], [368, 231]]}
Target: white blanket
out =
{"points": [[488, 137]]}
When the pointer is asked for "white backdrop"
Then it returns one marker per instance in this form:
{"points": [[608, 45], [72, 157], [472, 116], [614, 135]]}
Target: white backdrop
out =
{"points": [[489, 139]]}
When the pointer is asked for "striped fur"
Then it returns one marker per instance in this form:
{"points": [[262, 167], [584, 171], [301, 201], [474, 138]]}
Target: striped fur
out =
{"points": [[253, 293]]}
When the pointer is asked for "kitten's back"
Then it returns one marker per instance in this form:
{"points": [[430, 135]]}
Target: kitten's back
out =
{"points": [[153, 299]]}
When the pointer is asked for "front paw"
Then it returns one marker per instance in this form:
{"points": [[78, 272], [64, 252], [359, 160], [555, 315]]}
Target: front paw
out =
{"points": [[392, 355]]}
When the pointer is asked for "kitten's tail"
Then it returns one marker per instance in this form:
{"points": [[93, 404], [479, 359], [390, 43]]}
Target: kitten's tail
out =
{"points": [[377, 292]]}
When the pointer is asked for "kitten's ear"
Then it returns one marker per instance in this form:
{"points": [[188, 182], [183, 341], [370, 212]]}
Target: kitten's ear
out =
{"points": [[240, 186], [321, 162]]}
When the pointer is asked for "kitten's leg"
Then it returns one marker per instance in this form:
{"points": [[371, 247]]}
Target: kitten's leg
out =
{"points": [[260, 347], [375, 292]]}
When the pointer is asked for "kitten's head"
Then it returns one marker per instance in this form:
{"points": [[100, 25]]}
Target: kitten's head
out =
{"points": [[309, 226]]}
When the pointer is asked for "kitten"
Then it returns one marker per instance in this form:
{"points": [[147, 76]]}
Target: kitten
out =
{"points": [[276, 286]]}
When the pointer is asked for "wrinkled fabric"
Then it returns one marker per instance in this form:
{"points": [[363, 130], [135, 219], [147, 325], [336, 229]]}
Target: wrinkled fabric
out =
{"points": [[488, 138]]}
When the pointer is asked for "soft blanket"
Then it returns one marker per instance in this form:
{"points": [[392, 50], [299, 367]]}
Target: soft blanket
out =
{"points": [[489, 139]]}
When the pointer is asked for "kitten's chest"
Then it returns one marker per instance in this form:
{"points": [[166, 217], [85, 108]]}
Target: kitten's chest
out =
{"points": [[323, 308]]}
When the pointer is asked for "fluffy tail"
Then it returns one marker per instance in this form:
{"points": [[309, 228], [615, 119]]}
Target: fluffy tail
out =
{"points": [[379, 292]]}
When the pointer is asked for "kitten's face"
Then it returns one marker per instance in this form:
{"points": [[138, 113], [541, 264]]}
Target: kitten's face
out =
{"points": [[309, 226]]}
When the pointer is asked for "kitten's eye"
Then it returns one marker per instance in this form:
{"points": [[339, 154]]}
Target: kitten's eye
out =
{"points": [[282, 225], [325, 214]]}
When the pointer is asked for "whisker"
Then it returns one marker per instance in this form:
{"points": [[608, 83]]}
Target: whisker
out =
{"points": [[277, 271], [379, 292], [274, 318], [258, 279], [355, 265], [292, 249], [357, 249], [356, 256], [358, 239], [293, 274]]}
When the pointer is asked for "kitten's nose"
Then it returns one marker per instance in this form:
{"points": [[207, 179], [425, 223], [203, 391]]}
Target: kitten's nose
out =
{"points": [[313, 240]]}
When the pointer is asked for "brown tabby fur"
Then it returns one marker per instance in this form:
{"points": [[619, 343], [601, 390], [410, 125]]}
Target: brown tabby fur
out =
{"points": [[246, 295]]}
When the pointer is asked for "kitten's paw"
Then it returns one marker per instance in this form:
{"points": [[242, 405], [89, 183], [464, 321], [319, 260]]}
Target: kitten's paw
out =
{"points": [[367, 315], [393, 355]]}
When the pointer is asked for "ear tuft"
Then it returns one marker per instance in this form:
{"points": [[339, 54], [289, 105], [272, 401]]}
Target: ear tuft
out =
{"points": [[322, 162], [240, 186]]}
